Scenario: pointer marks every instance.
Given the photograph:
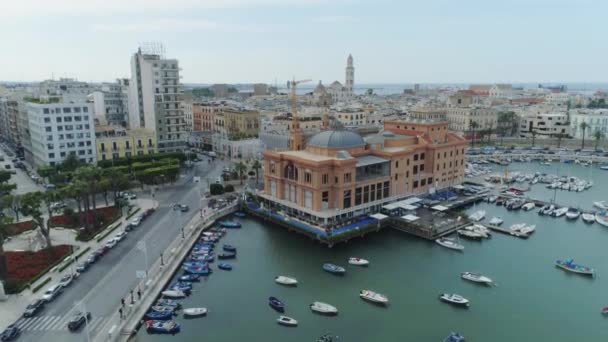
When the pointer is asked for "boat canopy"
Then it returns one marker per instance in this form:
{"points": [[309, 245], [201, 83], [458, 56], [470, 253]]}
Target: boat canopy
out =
{"points": [[410, 218], [440, 208], [378, 216]]}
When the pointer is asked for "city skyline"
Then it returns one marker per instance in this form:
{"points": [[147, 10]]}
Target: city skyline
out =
{"points": [[239, 41]]}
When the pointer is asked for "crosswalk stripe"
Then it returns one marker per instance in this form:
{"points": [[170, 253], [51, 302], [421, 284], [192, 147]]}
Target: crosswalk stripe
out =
{"points": [[35, 322], [41, 323], [20, 322], [60, 324], [29, 322], [49, 323], [95, 321]]}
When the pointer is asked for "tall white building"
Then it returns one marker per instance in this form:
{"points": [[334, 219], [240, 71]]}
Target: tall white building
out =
{"points": [[155, 97], [338, 91], [350, 75], [59, 128], [112, 102]]}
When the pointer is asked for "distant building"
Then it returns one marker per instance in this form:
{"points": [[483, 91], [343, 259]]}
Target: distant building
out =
{"points": [[501, 91], [186, 106], [242, 122], [596, 119], [112, 102], [339, 92], [58, 128], [113, 142], [220, 90], [430, 114], [545, 125], [260, 89], [9, 120], [321, 97], [461, 119], [156, 94]]}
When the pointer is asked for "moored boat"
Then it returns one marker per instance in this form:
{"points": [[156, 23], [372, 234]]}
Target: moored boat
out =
{"points": [[358, 261], [528, 206], [176, 294], [602, 218], [373, 296], [605, 310], [477, 216], [588, 217], [287, 321], [195, 312], [227, 255], [162, 327], [560, 212], [324, 308], [496, 221], [454, 299], [469, 234], [284, 280], [190, 278], [570, 266], [169, 302], [276, 304], [159, 315], [240, 214], [454, 337], [476, 278], [573, 214], [224, 266], [203, 271], [229, 248], [449, 243], [602, 205], [335, 269]]}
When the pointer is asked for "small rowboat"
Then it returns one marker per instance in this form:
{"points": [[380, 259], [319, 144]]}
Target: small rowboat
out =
{"points": [[159, 316], [227, 255], [190, 278], [454, 337], [605, 310], [454, 299], [335, 269], [373, 296], [570, 266], [240, 214], [195, 312], [358, 261], [287, 281], [177, 294], [169, 302], [324, 308], [163, 308], [287, 321], [224, 266], [162, 327], [276, 304], [229, 248], [230, 224]]}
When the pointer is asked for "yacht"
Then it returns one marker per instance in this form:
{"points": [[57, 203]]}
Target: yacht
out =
{"points": [[573, 214], [373, 296], [560, 212], [449, 243], [477, 216], [588, 217], [476, 278], [523, 229], [496, 221], [454, 299], [528, 206], [469, 234], [324, 308]]}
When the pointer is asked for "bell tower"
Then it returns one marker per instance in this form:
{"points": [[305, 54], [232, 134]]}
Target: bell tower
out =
{"points": [[350, 75]]}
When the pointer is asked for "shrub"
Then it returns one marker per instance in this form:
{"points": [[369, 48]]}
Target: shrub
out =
{"points": [[229, 188], [216, 189]]}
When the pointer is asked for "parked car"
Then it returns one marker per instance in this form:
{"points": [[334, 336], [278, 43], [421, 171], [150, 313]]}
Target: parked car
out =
{"points": [[58, 205], [111, 243], [10, 333], [7, 166], [78, 320], [66, 280], [83, 266], [136, 221], [32, 309], [52, 292], [100, 251], [120, 236], [181, 207], [148, 212]]}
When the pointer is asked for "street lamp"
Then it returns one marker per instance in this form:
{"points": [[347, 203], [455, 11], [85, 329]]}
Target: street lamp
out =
{"points": [[141, 245]]}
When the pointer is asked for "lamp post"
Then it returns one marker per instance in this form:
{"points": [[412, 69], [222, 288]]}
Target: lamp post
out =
{"points": [[141, 245]]}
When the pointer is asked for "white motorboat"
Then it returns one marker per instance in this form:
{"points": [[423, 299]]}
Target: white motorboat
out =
{"points": [[358, 261], [469, 234], [454, 299], [588, 217], [496, 221], [573, 214], [560, 212], [477, 216], [450, 243], [603, 205], [288, 321], [602, 218], [479, 230], [284, 280], [324, 308], [528, 206], [523, 229], [476, 278], [195, 312], [373, 296], [173, 294]]}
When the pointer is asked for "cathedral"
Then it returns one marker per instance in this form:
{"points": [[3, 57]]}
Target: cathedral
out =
{"points": [[336, 92]]}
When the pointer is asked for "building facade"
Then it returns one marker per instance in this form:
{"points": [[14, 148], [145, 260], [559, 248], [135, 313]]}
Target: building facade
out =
{"points": [[464, 120], [431, 114], [112, 102], [58, 128], [545, 125], [596, 120], [113, 142], [156, 94]]}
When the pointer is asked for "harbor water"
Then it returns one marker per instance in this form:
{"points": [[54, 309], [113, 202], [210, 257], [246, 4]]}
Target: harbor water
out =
{"points": [[533, 300]]}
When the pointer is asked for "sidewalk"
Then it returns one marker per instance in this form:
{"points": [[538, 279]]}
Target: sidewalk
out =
{"points": [[13, 307]]}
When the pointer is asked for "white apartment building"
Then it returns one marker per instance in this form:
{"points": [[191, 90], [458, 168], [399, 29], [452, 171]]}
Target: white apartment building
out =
{"points": [[59, 129], [155, 98], [545, 125], [460, 119], [596, 119], [187, 109], [112, 102], [501, 91]]}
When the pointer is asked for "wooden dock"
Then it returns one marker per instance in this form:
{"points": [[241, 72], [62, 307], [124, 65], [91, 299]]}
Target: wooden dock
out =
{"points": [[506, 231]]}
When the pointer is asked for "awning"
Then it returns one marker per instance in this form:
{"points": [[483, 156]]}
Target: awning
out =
{"points": [[407, 206], [378, 216], [370, 160], [390, 206], [440, 208], [410, 218]]}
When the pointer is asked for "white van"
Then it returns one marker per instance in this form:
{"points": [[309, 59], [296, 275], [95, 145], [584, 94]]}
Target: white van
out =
{"points": [[52, 292]]}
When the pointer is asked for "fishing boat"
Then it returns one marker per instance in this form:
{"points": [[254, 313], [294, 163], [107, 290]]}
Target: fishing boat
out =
{"points": [[230, 224], [195, 264], [496, 221], [327, 338], [324, 308], [287, 281], [560, 212], [570, 266], [203, 271], [205, 258], [547, 209], [195, 312], [479, 229], [179, 286], [602, 218], [169, 302], [227, 255], [358, 261], [605, 310], [224, 266], [528, 206], [477, 216], [335, 269], [240, 214], [159, 316], [476, 278], [588, 217], [162, 327], [287, 321], [522, 229], [573, 214], [164, 308], [603, 205], [276, 304], [449, 243], [229, 248], [454, 299], [472, 235], [454, 337], [190, 278], [373, 296], [176, 294]]}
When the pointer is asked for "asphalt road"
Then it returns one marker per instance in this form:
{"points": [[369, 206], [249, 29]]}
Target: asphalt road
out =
{"points": [[111, 278]]}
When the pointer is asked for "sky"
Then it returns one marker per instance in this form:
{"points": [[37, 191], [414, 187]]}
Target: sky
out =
{"points": [[242, 41]]}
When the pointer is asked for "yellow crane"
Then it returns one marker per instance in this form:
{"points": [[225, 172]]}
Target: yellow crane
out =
{"points": [[296, 137]]}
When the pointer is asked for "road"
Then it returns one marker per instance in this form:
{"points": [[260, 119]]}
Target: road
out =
{"points": [[107, 281]]}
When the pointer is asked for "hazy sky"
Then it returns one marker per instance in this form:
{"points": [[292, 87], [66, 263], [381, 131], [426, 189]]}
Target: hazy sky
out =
{"points": [[263, 40]]}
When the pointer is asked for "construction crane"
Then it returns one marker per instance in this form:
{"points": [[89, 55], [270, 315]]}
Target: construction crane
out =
{"points": [[294, 106]]}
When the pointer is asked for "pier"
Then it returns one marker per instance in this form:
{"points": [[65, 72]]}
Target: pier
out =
{"points": [[506, 231]]}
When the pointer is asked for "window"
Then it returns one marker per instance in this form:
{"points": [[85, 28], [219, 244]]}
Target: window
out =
{"points": [[421, 167], [45, 110], [77, 110], [307, 177], [50, 146], [114, 147], [366, 194], [336, 179], [60, 136], [415, 157], [415, 169], [415, 184], [396, 164], [422, 156], [81, 152], [51, 155], [128, 154], [48, 129], [67, 110], [347, 177], [423, 182], [85, 110], [358, 196], [386, 189], [408, 162], [81, 144], [49, 138], [396, 176], [346, 203], [62, 154], [47, 120], [58, 119]]}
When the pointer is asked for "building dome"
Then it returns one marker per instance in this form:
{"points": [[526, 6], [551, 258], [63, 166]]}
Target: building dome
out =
{"points": [[320, 89], [336, 139]]}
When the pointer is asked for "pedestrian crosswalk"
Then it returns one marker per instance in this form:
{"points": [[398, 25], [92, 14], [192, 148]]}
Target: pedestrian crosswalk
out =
{"points": [[49, 323]]}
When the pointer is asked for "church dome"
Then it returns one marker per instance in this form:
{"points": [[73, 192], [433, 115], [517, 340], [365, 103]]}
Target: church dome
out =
{"points": [[336, 139]]}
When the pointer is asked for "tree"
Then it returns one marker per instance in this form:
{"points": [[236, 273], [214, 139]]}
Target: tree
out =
{"points": [[70, 163], [597, 135], [32, 204], [507, 120], [5, 187], [473, 125], [5, 221], [584, 127], [216, 189], [559, 137], [533, 136], [256, 166], [240, 168]]}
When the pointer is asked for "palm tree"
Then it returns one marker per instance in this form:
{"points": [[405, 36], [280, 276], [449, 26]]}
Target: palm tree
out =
{"points": [[32, 204], [597, 135], [533, 136], [584, 127], [240, 168], [256, 166]]}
